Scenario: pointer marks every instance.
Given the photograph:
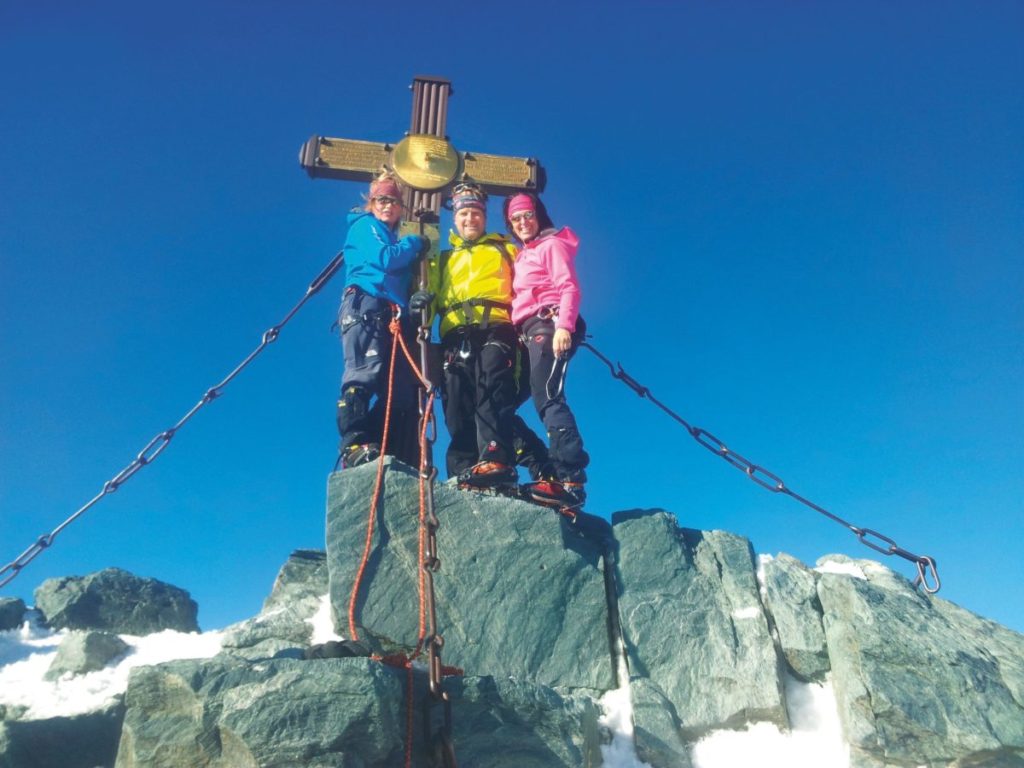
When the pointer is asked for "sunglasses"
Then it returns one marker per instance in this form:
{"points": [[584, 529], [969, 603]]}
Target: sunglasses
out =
{"points": [[385, 200], [515, 218]]}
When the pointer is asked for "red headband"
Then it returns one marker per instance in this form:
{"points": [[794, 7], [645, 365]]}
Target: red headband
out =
{"points": [[387, 187], [520, 203]]}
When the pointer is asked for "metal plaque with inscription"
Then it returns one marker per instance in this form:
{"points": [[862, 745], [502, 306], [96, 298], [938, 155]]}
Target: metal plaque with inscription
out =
{"points": [[344, 158], [425, 162], [501, 174]]}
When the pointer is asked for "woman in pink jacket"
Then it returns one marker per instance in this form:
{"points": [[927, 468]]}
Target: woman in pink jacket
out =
{"points": [[545, 310]]}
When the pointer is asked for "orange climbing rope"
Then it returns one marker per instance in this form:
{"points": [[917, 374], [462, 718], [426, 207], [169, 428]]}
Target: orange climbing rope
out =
{"points": [[401, 660], [422, 531], [375, 499]]}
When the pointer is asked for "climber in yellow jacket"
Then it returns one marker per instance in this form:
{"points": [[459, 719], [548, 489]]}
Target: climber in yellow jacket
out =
{"points": [[470, 289]]}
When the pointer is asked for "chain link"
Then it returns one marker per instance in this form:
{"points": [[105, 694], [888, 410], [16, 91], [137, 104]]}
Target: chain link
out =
{"points": [[927, 571], [440, 739], [158, 444]]}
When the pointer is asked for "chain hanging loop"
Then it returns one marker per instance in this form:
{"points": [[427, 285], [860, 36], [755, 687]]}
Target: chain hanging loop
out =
{"points": [[927, 572]]}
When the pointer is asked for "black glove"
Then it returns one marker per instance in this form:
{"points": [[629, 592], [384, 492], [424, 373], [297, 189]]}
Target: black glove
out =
{"points": [[420, 300]]}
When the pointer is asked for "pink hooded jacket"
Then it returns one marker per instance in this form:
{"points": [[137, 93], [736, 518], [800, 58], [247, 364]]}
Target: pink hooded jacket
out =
{"points": [[545, 276]]}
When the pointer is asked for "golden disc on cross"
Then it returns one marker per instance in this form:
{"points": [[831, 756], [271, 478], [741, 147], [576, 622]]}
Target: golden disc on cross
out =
{"points": [[425, 162]]}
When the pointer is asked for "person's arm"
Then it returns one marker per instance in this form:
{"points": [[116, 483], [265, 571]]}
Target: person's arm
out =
{"points": [[396, 257], [429, 298], [561, 268]]}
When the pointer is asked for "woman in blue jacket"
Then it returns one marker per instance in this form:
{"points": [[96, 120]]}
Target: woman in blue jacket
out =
{"points": [[379, 272]]}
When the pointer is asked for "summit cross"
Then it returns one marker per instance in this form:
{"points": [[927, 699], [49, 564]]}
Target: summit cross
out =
{"points": [[425, 160]]}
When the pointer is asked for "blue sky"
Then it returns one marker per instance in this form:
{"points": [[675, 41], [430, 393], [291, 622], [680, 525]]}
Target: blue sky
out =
{"points": [[801, 226]]}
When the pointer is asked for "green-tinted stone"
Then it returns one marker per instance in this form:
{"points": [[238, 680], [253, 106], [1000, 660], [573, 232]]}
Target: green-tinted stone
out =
{"points": [[520, 592]]}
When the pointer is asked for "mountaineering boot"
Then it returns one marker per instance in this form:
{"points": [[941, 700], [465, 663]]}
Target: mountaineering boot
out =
{"points": [[554, 493], [550, 493], [576, 492], [488, 475], [355, 455], [566, 497], [578, 495]]}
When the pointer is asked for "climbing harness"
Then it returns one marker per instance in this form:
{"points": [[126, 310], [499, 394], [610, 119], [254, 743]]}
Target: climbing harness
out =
{"points": [[561, 364], [926, 567], [157, 445], [466, 307]]}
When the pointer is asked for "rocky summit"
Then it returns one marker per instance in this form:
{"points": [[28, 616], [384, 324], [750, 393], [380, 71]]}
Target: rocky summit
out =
{"points": [[540, 618]]}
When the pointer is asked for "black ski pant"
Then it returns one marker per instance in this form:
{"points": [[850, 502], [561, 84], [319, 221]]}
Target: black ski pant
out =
{"points": [[547, 388], [366, 342], [479, 394]]}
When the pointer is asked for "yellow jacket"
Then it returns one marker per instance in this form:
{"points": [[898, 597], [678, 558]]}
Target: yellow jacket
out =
{"points": [[472, 282]]}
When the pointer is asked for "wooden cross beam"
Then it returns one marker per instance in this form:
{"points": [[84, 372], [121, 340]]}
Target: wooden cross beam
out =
{"points": [[425, 160]]}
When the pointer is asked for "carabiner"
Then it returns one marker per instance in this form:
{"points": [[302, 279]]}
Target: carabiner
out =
{"points": [[924, 565]]}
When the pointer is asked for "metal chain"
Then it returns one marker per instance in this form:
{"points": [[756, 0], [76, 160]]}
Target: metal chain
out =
{"points": [[926, 568], [440, 741], [158, 444]]}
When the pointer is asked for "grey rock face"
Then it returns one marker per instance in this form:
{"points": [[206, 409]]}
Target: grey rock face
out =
{"points": [[505, 724], [302, 577], [658, 732], [519, 594], [270, 633], [82, 652], [284, 623], [285, 713], [116, 601], [340, 712], [792, 602], [918, 679], [694, 626], [12, 613], [86, 741], [523, 607]]}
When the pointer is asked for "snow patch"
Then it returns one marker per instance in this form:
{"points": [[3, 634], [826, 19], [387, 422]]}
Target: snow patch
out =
{"points": [[815, 739], [617, 706], [762, 583], [323, 623], [843, 569], [26, 655]]}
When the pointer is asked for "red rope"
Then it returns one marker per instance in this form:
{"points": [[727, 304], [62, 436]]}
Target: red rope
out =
{"points": [[401, 660], [353, 633], [421, 548]]}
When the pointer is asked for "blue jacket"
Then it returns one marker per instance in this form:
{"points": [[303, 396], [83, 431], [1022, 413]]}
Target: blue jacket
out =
{"points": [[376, 260]]}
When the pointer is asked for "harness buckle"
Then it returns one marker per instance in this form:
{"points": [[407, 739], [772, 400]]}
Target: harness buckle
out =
{"points": [[548, 313]]}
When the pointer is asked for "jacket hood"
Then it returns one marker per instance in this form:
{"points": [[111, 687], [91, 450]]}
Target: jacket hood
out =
{"points": [[355, 215], [564, 235], [358, 213]]}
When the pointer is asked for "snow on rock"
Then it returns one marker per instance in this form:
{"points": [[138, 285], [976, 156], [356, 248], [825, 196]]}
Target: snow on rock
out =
{"points": [[26, 654]]}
